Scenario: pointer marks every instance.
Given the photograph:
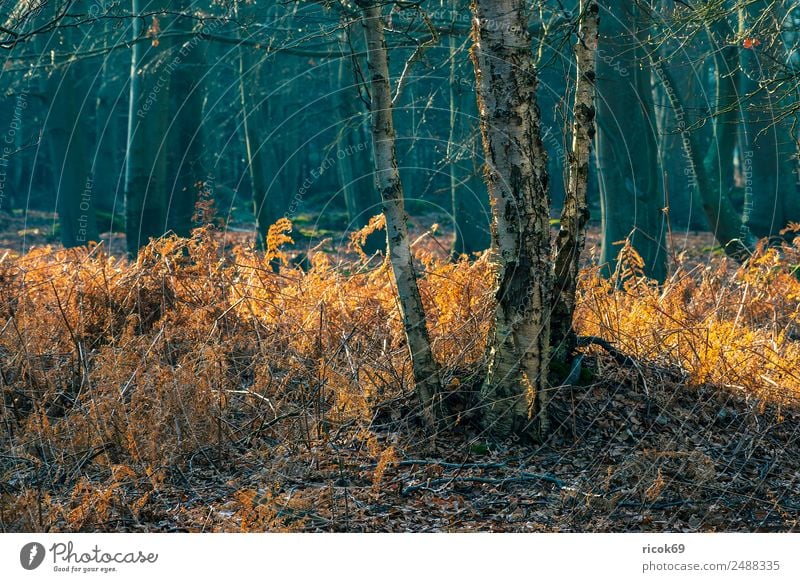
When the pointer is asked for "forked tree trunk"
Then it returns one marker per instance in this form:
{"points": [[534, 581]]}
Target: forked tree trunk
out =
{"points": [[514, 395], [575, 214], [387, 179]]}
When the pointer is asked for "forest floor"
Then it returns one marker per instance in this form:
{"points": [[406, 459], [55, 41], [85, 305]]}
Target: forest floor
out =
{"points": [[200, 391], [33, 229]]}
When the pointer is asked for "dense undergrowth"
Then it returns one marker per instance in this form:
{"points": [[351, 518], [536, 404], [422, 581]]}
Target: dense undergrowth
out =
{"points": [[196, 388]]}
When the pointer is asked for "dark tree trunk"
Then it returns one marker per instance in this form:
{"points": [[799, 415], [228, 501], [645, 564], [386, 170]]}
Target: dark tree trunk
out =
{"points": [[631, 188], [186, 126], [471, 213], [148, 122], [766, 143], [68, 88], [361, 199]]}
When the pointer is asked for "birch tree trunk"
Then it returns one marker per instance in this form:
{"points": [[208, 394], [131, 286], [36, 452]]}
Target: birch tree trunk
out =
{"points": [[514, 395], [387, 179], [575, 213]]}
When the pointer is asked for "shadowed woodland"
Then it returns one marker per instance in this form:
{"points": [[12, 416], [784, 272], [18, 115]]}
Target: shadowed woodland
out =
{"points": [[507, 265]]}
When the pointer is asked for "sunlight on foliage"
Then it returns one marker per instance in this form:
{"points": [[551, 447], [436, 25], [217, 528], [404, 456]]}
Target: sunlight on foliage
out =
{"points": [[119, 374]]}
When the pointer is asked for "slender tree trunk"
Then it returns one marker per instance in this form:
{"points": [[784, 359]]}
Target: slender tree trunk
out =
{"points": [[684, 206], [270, 198], [514, 395], [719, 158], [285, 159], [255, 162], [18, 114], [186, 131], [387, 179], [108, 157], [361, 199], [220, 161], [148, 120], [726, 223], [766, 144], [698, 163], [631, 188], [68, 87], [34, 175], [575, 213], [467, 190]]}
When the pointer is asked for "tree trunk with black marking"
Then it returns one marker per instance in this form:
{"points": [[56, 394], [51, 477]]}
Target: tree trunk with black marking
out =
{"points": [[514, 395], [575, 214], [387, 179]]}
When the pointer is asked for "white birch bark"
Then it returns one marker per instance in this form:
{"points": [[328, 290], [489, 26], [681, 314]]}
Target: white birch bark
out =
{"points": [[575, 213], [515, 393], [387, 179]]}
